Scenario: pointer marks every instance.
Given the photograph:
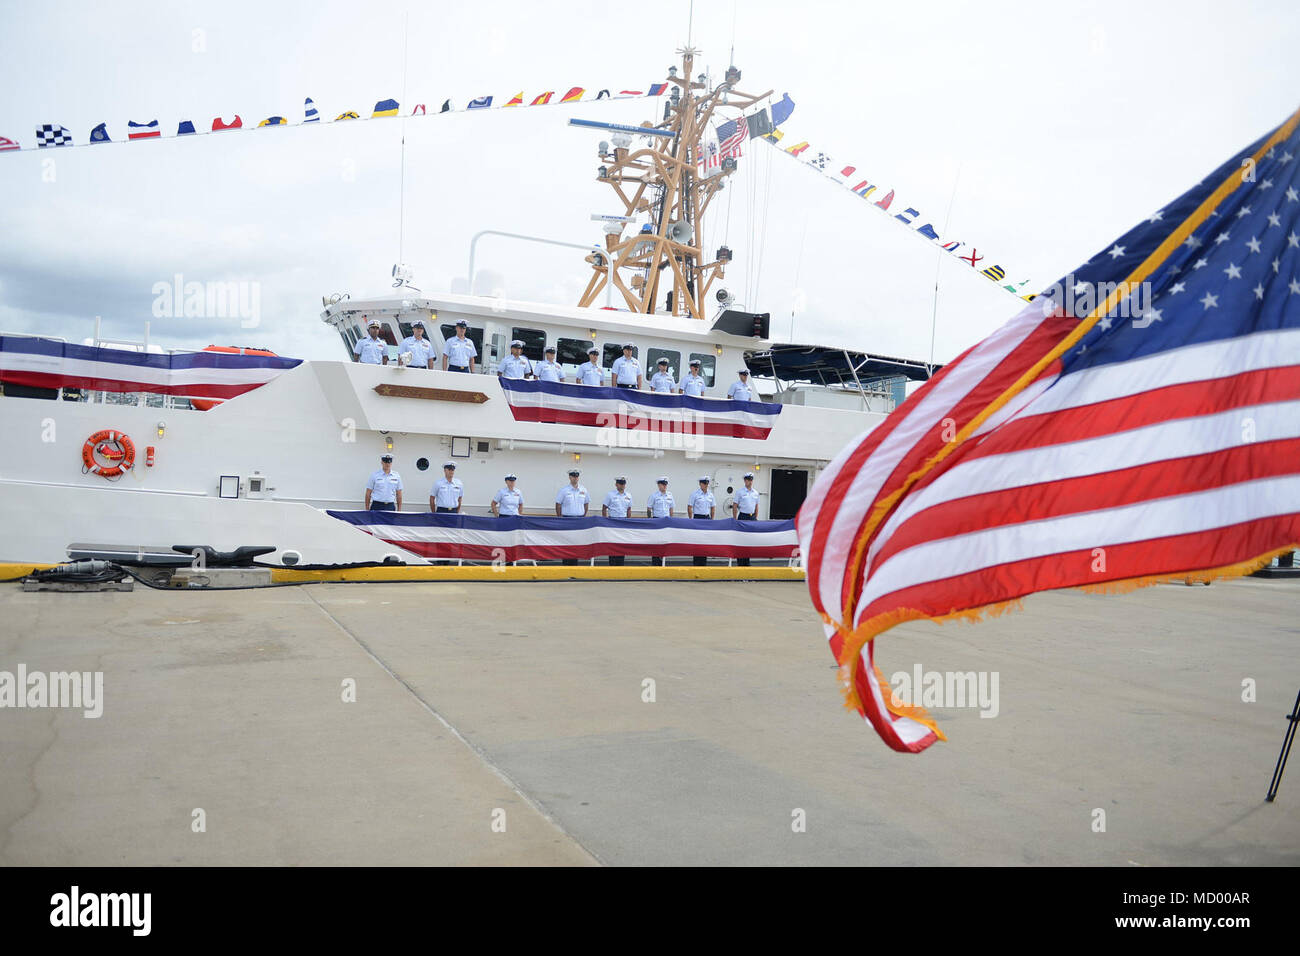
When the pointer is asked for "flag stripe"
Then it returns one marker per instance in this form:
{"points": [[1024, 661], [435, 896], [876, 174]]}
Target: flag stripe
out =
{"points": [[1085, 493], [1166, 556], [956, 555]]}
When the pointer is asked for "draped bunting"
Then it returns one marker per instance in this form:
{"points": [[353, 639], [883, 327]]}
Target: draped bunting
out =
{"points": [[476, 538]]}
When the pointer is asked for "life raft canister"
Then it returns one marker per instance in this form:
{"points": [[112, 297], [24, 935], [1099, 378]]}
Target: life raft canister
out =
{"points": [[113, 445], [205, 404]]}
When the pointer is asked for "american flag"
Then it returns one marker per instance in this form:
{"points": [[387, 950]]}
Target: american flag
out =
{"points": [[1138, 422], [731, 135]]}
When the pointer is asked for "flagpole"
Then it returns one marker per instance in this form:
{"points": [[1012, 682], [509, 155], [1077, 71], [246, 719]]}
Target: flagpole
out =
{"points": [[938, 265]]}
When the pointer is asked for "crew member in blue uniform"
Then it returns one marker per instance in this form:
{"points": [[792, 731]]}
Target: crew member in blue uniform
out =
{"points": [[744, 507], [550, 370], [740, 390], [508, 501], [458, 352], [617, 504], [626, 371], [448, 491], [693, 384], [515, 365], [590, 372], [702, 507], [572, 501], [659, 505], [384, 489], [372, 350], [421, 349], [661, 381]]}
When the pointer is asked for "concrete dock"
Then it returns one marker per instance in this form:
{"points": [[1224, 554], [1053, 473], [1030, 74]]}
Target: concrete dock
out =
{"points": [[511, 723]]}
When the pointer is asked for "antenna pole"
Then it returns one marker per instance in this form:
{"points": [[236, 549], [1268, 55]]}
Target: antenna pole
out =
{"points": [[401, 198], [670, 183]]}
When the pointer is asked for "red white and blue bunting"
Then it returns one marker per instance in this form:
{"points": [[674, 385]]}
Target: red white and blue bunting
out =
{"points": [[474, 538], [47, 363], [634, 410]]}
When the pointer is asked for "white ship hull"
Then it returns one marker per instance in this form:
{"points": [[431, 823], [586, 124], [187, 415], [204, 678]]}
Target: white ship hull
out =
{"points": [[314, 434]]}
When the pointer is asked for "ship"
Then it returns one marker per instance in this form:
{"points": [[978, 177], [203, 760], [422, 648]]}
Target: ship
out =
{"points": [[119, 448]]}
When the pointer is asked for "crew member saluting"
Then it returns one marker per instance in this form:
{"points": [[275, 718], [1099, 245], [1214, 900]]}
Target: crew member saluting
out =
{"points": [[660, 505], [384, 489], [702, 506], [508, 501], [458, 352], [572, 501], [448, 491], [661, 381], [372, 350], [590, 372], [694, 384], [617, 504], [421, 349], [744, 507], [515, 365], [740, 390], [550, 370], [626, 370]]}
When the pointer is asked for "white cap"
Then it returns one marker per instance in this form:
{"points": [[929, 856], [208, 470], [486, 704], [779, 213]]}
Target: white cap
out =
{"points": [[449, 464], [516, 344], [662, 481], [705, 478]]}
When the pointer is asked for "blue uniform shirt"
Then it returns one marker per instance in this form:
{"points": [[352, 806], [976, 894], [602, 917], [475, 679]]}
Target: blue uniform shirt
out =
{"points": [[550, 372], [589, 373], [747, 501], [693, 385], [660, 504], [619, 503], [740, 391], [701, 502], [372, 351], [572, 501], [459, 351], [508, 502], [447, 494], [421, 350], [384, 487], [513, 366], [662, 382], [625, 370]]}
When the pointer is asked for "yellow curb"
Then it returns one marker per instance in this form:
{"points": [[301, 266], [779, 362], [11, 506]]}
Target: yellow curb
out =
{"points": [[528, 573], [13, 571]]}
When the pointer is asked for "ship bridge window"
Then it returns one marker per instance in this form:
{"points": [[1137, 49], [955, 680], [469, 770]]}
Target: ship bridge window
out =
{"points": [[534, 342], [652, 357], [571, 353], [708, 366], [615, 351], [471, 333]]}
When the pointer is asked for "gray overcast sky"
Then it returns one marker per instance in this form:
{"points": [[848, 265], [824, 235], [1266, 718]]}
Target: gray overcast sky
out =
{"points": [[1061, 125]]}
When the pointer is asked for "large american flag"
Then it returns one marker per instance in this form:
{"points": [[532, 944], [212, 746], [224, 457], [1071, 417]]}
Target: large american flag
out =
{"points": [[1139, 422]]}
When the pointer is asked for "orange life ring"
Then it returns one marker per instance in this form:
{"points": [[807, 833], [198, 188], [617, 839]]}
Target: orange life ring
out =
{"points": [[206, 404], [114, 445]]}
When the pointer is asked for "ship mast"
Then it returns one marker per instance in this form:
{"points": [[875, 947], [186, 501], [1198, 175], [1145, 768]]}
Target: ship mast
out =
{"points": [[664, 267]]}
